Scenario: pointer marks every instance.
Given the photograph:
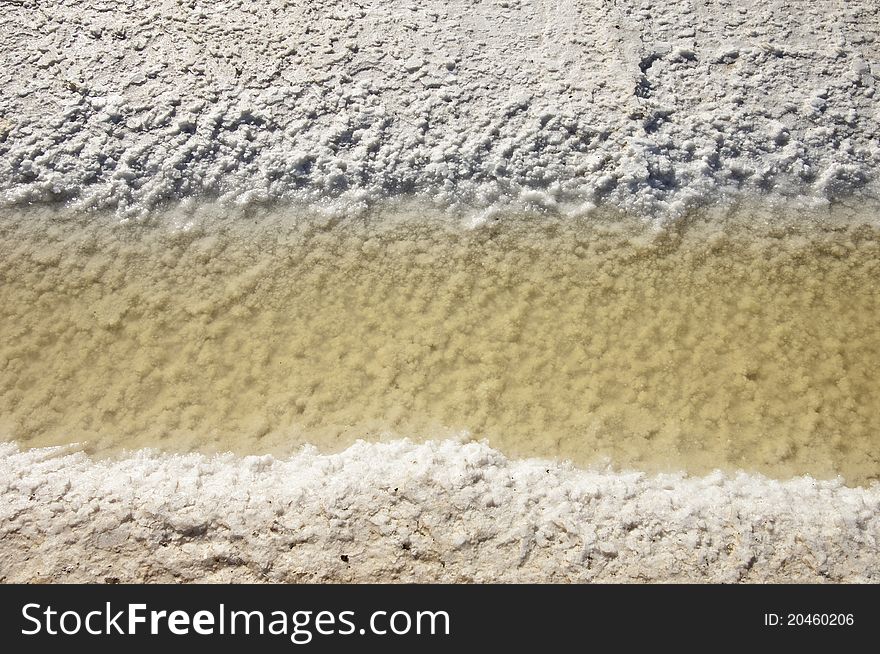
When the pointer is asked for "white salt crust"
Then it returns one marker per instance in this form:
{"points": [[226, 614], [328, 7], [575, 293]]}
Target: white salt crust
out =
{"points": [[651, 107], [439, 511]]}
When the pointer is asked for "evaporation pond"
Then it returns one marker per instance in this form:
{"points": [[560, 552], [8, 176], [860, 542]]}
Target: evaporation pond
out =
{"points": [[744, 343]]}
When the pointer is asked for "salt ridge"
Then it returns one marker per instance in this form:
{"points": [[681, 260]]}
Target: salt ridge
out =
{"points": [[438, 511], [538, 103]]}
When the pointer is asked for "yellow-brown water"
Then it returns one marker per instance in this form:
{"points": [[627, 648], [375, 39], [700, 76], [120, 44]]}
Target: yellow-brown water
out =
{"points": [[711, 343]]}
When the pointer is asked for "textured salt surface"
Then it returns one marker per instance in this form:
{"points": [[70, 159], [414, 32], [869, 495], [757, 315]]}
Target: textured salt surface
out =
{"points": [[430, 512], [645, 105]]}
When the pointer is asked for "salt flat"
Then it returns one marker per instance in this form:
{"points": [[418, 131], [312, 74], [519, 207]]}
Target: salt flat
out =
{"points": [[481, 112]]}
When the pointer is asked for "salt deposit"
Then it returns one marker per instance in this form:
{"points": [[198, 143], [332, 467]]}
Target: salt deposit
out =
{"points": [[432, 512], [650, 106], [483, 112]]}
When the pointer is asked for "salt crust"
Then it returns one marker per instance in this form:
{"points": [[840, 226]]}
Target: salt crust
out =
{"points": [[653, 108], [438, 511]]}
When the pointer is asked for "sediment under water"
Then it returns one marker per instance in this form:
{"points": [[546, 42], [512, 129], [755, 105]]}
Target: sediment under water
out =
{"points": [[742, 343]]}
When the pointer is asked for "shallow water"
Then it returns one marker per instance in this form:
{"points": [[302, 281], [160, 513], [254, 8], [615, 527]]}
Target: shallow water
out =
{"points": [[710, 343]]}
